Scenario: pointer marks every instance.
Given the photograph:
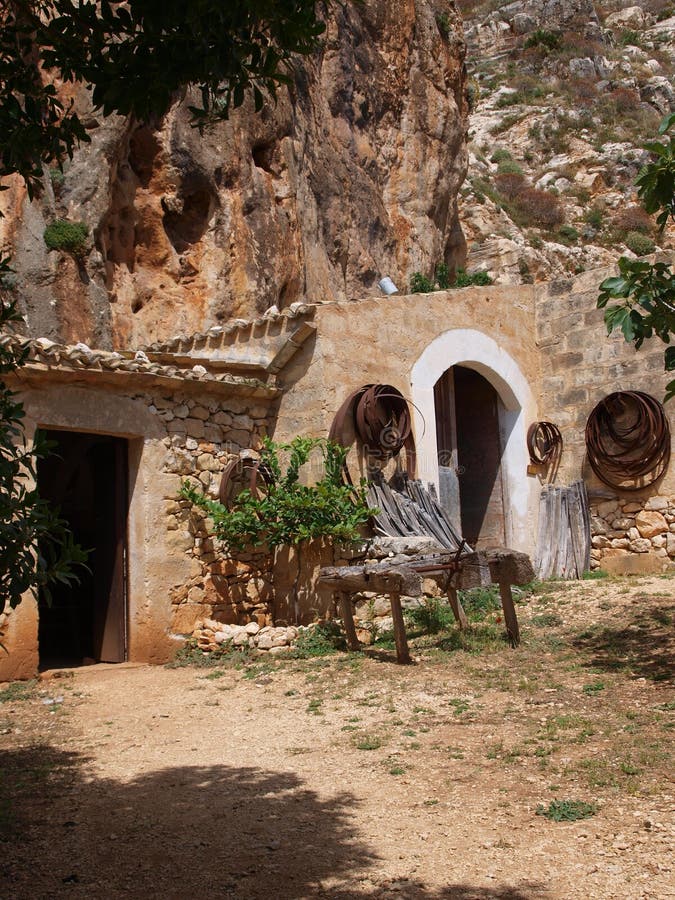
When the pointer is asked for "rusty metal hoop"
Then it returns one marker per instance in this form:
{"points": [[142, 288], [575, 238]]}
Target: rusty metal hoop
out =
{"points": [[244, 472], [628, 440], [544, 444], [381, 420]]}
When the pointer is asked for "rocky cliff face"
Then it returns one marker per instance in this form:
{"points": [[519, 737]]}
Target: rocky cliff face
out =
{"points": [[564, 94], [352, 175]]}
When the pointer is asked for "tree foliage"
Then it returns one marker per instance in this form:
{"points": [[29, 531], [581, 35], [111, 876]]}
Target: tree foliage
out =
{"points": [[135, 57], [647, 291], [288, 512], [36, 548]]}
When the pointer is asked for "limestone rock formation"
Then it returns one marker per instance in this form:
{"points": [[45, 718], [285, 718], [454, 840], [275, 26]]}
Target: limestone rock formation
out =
{"points": [[352, 175], [564, 95]]}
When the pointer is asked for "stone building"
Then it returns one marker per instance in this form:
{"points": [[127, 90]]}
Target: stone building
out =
{"points": [[477, 365]]}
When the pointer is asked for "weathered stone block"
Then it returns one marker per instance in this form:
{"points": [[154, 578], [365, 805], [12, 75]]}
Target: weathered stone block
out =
{"points": [[641, 545], [650, 523]]}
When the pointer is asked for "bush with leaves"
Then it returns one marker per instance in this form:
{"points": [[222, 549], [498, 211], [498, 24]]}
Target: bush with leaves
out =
{"points": [[69, 237], [647, 291], [640, 244], [420, 284], [287, 512], [36, 547]]}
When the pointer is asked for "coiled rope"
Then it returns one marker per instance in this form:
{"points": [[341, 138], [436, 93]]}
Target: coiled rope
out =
{"points": [[379, 417], [628, 439]]}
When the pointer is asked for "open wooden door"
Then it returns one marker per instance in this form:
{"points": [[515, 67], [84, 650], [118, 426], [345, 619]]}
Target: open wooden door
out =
{"points": [[86, 478]]}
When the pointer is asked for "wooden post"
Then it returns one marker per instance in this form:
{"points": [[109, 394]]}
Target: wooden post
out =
{"points": [[347, 616], [510, 619], [402, 651], [457, 608]]}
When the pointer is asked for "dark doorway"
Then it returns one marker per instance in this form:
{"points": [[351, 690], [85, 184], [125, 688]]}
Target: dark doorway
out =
{"points": [[86, 478], [470, 452]]}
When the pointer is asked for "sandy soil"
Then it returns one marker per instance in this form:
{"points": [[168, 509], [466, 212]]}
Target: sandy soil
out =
{"points": [[353, 777]]}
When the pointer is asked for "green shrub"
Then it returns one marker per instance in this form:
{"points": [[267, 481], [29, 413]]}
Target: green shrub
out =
{"points": [[287, 512], [629, 38], [443, 23], [568, 233], [567, 810], [57, 178], [431, 616], [594, 216], [69, 237], [509, 167], [467, 279], [544, 39], [641, 244], [479, 602], [511, 99], [420, 284], [443, 276], [501, 154], [320, 640]]}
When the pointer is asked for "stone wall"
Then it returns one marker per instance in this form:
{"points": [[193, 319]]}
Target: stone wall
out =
{"points": [[176, 574], [203, 438], [624, 527], [580, 366]]}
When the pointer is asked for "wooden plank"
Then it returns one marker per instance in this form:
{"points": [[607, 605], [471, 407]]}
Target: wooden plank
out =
{"points": [[585, 523], [510, 618], [457, 608], [347, 616], [402, 649], [576, 530]]}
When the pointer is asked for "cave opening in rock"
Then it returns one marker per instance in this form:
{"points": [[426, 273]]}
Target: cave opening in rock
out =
{"points": [[185, 225], [262, 155]]}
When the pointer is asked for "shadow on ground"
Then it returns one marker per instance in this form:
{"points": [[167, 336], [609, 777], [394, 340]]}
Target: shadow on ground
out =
{"points": [[645, 646], [211, 831]]}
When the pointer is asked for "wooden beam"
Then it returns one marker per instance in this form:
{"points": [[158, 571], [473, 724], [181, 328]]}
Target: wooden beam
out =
{"points": [[457, 608], [402, 649], [347, 616], [510, 619]]}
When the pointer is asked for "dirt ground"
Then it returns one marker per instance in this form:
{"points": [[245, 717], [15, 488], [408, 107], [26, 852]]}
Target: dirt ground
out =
{"points": [[345, 776]]}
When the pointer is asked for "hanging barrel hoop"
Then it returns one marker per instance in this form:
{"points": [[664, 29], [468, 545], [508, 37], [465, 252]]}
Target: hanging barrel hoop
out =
{"points": [[379, 417], [545, 445], [628, 440], [244, 472]]}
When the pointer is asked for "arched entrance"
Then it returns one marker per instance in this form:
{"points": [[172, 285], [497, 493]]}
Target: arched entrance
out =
{"points": [[472, 401], [468, 438]]}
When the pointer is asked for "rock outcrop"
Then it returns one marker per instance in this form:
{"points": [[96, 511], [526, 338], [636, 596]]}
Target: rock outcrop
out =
{"points": [[352, 175], [564, 95]]}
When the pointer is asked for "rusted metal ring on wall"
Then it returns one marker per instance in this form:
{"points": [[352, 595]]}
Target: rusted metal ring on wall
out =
{"points": [[628, 440], [380, 418], [244, 472], [544, 444]]}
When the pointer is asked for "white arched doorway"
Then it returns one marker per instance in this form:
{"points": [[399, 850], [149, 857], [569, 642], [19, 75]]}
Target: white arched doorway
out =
{"points": [[469, 349]]}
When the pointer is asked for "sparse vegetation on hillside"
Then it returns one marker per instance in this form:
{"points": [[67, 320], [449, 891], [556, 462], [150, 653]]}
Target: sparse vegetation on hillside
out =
{"points": [[570, 106]]}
